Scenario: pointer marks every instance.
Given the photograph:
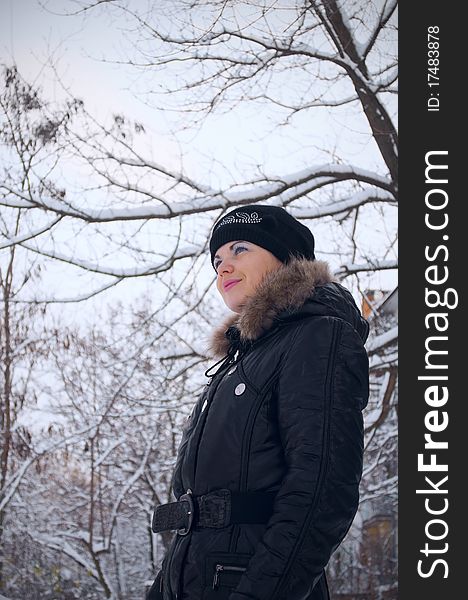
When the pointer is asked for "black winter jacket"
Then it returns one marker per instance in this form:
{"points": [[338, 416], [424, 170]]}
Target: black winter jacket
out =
{"points": [[284, 415]]}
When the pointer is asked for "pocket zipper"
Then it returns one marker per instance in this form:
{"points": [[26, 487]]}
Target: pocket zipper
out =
{"points": [[221, 568]]}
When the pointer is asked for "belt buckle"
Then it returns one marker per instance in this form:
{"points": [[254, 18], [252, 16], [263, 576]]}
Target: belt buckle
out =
{"points": [[190, 513]]}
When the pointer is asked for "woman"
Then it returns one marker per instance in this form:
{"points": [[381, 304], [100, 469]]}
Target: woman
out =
{"points": [[269, 465]]}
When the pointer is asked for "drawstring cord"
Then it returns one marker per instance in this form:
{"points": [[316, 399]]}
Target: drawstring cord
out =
{"points": [[236, 349], [223, 362]]}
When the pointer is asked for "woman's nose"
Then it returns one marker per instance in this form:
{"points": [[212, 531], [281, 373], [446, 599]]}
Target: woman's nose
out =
{"points": [[225, 266]]}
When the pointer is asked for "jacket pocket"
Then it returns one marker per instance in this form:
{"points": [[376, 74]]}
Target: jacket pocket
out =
{"points": [[226, 575], [223, 571]]}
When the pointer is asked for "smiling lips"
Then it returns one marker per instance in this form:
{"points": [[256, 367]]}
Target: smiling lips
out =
{"points": [[229, 284]]}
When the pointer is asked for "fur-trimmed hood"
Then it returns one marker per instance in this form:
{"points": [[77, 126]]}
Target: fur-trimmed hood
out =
{"points": [[300, 286]]}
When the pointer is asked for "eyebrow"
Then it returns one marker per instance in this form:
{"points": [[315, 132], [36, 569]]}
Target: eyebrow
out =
{"points": [[232, 246]]}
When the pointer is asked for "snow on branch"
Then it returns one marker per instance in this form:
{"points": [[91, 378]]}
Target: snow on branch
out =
{"points": [[73, 299], [30, 235], [179, 253], [58, 543], [379, 342], [388, 10], [376, 265], [130, 483], [283, 189], [18, 202], [12, 484]]}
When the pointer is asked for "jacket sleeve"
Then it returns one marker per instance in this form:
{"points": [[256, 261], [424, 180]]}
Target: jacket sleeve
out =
{"points": [[322, 389]]}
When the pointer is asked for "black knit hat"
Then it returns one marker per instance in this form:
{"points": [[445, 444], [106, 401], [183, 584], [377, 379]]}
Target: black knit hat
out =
{"points": [[270, 227]]}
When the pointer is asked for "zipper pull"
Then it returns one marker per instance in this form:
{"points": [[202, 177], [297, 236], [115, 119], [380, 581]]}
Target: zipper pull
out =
{"points": [[218, 569]]}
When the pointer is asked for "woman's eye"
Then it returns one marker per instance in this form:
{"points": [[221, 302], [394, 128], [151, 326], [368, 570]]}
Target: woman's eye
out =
{"points": [[236, 250]]}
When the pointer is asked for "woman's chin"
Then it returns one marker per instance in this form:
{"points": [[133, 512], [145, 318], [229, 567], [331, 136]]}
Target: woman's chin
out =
{"points": [[232, 304], [236, 304], [234, 307], [231, 301]]}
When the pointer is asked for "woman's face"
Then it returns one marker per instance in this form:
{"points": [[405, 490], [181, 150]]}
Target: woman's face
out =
{"points": [[240, 267]]}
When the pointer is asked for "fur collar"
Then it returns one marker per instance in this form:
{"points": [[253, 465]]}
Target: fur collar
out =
{"points": [[287, 288]]}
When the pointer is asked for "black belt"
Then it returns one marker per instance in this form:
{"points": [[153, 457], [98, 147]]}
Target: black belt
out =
{"points": [[216, 509]]}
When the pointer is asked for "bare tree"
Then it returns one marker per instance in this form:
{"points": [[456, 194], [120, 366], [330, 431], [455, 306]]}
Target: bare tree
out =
{"points": [[304, 62], [93, 493]]}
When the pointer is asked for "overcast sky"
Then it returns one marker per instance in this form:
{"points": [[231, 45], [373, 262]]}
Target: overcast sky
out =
{"points": [[31, 34]]}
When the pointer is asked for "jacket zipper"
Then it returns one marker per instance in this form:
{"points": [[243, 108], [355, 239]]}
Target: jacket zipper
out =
{"points": [[203, 415], [225, 568]]}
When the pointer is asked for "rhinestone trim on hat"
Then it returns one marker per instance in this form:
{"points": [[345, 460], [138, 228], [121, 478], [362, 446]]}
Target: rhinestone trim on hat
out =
{"points": [[241, 217]]}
